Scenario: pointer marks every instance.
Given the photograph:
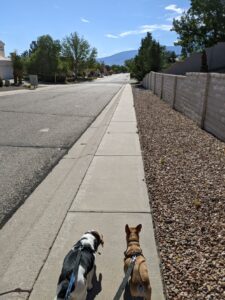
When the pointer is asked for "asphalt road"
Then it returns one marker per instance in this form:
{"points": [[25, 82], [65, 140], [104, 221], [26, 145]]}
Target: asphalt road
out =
{"points": [[38, 127]]}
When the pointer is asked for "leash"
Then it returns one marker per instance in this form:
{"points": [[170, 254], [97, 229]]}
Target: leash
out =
{"points": [[125, 279], [74, 273]]}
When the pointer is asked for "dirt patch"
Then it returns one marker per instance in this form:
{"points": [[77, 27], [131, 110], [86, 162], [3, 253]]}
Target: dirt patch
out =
{"points": [[185, 176]]}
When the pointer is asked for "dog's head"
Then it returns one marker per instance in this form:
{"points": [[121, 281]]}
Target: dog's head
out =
{"points": [[98, 238], [132, 233]]}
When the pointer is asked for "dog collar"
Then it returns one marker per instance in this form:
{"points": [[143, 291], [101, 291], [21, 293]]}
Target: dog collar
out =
{"points": [[138, 253], [83, 248]]}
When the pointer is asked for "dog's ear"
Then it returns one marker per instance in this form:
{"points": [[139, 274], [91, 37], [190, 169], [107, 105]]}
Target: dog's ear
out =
{"points": [[127, 229], [98, 236], [139, 227]]}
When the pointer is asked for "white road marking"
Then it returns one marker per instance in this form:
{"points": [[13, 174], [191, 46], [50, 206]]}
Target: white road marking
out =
{"points": [[44, 130]]}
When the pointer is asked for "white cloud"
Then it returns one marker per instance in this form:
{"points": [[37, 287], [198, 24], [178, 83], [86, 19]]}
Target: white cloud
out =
{"points": [[126, 33], [140, 30], [146, 28], [111, 36], [164, 27], [173, 7], [84, 20]]}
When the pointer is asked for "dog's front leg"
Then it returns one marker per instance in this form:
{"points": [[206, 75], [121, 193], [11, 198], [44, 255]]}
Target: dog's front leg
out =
{"points": [[89, 279]]}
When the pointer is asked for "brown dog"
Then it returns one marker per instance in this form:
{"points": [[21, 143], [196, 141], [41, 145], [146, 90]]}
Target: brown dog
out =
{"points": [[139, 282]]}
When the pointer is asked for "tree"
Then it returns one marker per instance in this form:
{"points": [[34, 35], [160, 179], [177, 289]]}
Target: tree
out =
{"points": [[169, 57], [18, 67], [130, 65], [33, 47], [78, 51], [150, 57], [202, 26], [116, 69], [44, 57]]}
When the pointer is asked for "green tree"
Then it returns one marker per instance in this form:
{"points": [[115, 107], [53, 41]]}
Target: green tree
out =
{"points": [[44, 57], [130, 65], [150, 57], [78, 51], [118, 69], [18, 67], [202, 26], [169, 57], [33, 47]]}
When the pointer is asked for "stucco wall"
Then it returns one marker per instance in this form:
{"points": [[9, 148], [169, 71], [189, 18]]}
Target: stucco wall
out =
{"points": [[215, 60], [6, 71]]}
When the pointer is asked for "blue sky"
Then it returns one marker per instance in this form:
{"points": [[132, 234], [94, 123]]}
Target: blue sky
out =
{"points": [[110, 26]]}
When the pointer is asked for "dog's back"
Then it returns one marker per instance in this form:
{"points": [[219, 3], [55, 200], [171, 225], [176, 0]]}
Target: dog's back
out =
{"points": [[86, 264], [78, 267]]}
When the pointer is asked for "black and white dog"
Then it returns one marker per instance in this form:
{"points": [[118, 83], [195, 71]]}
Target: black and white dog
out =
{"points": [[87, 245]]}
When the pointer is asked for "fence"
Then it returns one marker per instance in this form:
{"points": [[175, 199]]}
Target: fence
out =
{"points": [[199, 96], [215, 61]]}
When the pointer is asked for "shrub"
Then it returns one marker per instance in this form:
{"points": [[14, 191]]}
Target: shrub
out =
{"points": [[1, 82]]}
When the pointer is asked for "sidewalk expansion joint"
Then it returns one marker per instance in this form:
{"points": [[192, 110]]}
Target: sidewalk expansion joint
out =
{"points": [[123, 121], [118, 155], [111, 212], [128, 132], [77, 157]]}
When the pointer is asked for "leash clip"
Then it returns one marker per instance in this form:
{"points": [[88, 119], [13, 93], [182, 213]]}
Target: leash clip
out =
{"points": [[133, 258]]}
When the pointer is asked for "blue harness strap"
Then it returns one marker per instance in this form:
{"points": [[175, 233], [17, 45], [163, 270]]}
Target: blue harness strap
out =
{"points": [[72, 281], [73, 276]]}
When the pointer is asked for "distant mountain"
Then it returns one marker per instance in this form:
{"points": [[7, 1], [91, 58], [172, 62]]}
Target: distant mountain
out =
{"points": [[176, 49], [119, 58]]}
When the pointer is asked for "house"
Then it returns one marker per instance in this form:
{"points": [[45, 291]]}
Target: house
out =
{"points": [[6, 69]]}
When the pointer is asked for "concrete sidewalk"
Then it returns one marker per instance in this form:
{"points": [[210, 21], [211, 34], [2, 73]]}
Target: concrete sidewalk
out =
{"points": [[99, 184]]}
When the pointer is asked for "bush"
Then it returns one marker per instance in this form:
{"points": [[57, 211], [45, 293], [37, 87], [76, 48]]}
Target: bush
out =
{"points": [[1, 82], [51, 78]]}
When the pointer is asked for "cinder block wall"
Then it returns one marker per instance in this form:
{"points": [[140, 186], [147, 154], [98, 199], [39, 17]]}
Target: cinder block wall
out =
{"points": [[199, 96], [149, 80], [158, 84], [168, 93], [152, 81], [215, 106], [190, 96]]}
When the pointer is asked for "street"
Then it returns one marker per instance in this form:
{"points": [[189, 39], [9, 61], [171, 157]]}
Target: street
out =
{"points": [[38, 127]]}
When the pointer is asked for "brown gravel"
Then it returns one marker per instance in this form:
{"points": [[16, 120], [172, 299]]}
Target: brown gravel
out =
{"points": [[185, 175]]}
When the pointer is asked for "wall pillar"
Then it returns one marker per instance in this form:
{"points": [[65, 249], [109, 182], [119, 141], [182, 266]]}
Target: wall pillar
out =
{"points": [[174, 92], [205, 101]]}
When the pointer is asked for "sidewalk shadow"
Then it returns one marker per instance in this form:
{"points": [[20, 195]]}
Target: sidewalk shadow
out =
{"points": [[127, 295], [97, 286]]}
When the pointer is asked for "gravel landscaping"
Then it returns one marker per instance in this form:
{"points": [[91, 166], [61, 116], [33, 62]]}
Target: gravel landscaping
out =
{"points": [[185, 176]]}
